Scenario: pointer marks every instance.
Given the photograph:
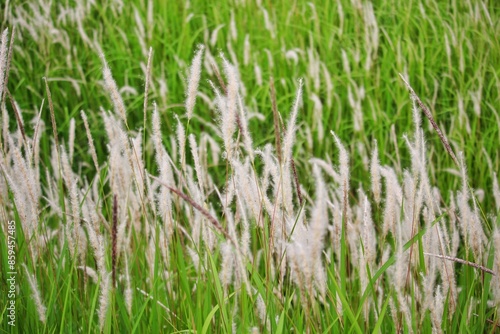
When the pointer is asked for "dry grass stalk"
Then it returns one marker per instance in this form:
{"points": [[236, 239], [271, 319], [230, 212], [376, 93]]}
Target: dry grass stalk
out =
{"points": [[90, 141], [219, 77], [428, 114], [198, 207], [468, 263], [276, 118], [52, 116], [18, 116], [36, 139], [495, 323], [144, 293]]}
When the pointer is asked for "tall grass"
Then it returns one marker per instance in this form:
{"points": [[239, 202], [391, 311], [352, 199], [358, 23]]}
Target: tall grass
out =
{"points": [[350, 213]]}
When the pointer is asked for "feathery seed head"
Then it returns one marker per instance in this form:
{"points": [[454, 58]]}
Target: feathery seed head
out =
{"points": [[343, 171], [41, 309], [193, 81], [375, 174], [289, 137], [3, 61], [112, 89]]}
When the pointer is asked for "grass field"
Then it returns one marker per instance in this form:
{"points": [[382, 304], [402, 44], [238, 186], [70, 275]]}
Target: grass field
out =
{"points": [[250, 167]]}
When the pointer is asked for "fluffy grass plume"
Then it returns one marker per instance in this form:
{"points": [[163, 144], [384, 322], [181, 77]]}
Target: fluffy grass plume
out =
{"points": [[227, 210]]}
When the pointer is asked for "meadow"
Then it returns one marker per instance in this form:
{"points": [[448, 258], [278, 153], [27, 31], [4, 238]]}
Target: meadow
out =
{"points": [[250, 166]]}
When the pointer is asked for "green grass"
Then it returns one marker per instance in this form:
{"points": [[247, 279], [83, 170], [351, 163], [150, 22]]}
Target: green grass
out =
{"points": [[413, 39]]}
